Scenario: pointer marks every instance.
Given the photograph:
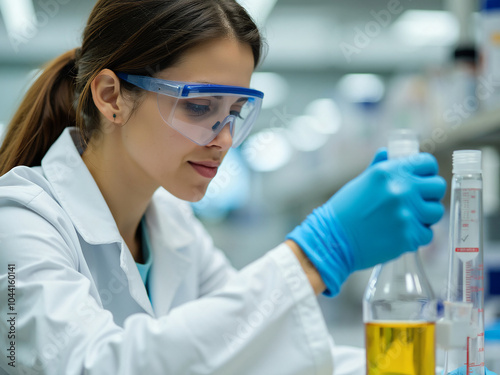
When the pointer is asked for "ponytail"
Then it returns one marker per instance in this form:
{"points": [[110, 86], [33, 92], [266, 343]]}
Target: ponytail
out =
{"points": [[46, 109]]}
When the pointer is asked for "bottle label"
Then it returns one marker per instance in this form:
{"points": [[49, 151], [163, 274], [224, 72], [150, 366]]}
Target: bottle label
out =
{"points": [[469, 231], [467, 249]]}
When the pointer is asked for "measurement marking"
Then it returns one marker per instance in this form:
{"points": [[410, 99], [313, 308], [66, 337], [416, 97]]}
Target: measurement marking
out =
{"points": [[479, 365], [468, 348], [468, 291]]}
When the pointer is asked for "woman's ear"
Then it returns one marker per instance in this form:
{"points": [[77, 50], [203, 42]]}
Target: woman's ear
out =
{"points": [[107, 98]]}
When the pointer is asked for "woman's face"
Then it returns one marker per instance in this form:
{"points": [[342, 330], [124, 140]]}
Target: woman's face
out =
{"points": [[161, 153]]}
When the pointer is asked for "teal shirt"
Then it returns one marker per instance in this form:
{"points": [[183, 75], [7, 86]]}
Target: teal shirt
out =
{"points": [[147, 256]]}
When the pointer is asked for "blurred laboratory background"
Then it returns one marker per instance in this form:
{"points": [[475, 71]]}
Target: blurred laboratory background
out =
{"points": [[337, 76]]}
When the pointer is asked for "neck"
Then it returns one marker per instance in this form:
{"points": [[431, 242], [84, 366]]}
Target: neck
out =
{"points": [[124, 187]]}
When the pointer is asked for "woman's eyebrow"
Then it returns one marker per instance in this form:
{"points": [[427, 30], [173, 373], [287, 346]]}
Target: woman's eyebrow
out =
{"points": [[242, 99]]}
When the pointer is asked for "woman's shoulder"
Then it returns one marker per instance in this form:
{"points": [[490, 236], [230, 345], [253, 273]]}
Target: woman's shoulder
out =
{"points": [[22, 183], [30, 214], [24, 186]]}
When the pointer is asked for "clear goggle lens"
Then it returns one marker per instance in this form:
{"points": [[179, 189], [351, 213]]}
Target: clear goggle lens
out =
{"points": [[202, 118]]}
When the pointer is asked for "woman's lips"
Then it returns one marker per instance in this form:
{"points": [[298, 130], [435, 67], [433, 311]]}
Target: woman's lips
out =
{"points": [[205, 169]]}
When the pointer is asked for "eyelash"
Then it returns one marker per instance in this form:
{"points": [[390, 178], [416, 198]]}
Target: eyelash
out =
{"points": [[197, 109], [236, 114], [200, 110]]}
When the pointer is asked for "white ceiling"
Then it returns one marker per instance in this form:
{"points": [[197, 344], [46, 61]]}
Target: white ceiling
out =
{"points": [[301, 35]]}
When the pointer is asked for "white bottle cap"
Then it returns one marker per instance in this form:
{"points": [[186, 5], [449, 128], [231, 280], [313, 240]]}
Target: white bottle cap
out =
{"points": [[467, 161], [402, 142]]}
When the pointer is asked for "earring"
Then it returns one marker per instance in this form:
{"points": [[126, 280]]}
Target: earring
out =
{"points": [[114, 117]]}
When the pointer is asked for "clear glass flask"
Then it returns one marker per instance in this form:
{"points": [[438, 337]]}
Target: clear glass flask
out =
{"points": [[399, 308], [461, 331]]}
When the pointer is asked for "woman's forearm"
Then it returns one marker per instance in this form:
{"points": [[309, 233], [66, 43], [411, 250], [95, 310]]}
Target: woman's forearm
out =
{"points": [[312, 274]]}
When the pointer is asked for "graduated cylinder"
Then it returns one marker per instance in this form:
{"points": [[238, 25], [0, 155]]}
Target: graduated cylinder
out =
{"points": [[461, 331]]}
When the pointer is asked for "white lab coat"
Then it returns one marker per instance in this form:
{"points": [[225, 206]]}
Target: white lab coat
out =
{"points": [[82, 307]]}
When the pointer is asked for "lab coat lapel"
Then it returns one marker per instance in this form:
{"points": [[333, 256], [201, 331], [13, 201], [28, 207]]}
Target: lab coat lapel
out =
{"points": [[136, 286], [168, 239]]}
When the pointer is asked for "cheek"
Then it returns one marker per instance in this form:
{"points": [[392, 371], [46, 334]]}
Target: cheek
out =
{"points": [[154, 145], [160, 153]]}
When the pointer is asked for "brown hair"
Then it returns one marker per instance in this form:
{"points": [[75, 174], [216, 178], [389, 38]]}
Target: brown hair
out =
{"points": [[133, 36]]}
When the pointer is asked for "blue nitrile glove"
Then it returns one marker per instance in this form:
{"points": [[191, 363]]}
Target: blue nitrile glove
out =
{"points": [[492, 331], [463, 371], [385, 211]]}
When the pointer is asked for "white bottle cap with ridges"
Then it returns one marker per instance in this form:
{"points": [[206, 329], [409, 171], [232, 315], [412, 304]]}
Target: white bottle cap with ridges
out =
{"points": [[402, 142], [467, 161]]}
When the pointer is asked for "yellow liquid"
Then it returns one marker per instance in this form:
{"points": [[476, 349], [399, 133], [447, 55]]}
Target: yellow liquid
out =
{"points": [[400, 348]]}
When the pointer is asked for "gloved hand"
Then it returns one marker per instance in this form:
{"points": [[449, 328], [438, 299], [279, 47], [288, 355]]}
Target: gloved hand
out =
{"points": [[385, 211]]}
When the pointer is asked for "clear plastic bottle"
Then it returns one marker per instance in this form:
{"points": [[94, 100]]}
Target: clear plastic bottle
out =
{"points": [[399, 309], [461, 331]]}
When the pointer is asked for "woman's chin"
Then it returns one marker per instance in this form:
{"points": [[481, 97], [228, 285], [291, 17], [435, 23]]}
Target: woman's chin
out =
{"points": [[193, 195]]}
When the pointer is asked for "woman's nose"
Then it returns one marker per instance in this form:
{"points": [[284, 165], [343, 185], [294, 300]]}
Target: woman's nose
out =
{"points": [[224, 138]]}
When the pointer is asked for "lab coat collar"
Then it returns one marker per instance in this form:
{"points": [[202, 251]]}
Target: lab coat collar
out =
{"points": [[76, 191]]}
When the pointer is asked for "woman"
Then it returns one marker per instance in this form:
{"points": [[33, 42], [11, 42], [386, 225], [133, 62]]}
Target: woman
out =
{"points": [[107, 269]]}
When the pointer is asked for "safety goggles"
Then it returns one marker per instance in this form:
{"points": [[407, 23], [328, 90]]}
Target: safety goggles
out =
{"points": [[200, 111]]}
